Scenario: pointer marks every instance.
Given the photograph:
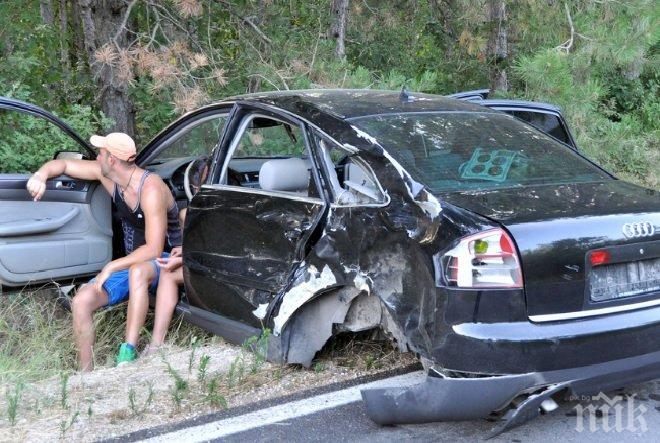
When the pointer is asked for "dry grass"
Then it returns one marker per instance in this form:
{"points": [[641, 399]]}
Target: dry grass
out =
{"points": [[43, 399], [36, 335]]}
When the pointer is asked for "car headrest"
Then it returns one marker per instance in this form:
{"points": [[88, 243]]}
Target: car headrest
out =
{"points": [[290, 174]]}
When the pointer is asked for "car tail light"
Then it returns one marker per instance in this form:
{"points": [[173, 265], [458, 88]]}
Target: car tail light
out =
{"points": [[485, 260], [599, 257]]}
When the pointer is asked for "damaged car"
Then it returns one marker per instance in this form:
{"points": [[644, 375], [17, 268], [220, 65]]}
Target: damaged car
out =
{"points": [[473, 234]]}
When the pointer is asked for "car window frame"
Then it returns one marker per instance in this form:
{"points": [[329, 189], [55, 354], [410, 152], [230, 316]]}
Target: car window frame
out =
{"points": [[245, 119], [155, 146], [318, 136]]}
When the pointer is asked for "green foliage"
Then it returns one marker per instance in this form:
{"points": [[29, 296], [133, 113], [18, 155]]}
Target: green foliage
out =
{"points": [[602, 71], [27, 141]]}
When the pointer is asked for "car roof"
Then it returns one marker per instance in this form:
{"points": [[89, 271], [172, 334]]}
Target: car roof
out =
{"points": [[352, 103]]}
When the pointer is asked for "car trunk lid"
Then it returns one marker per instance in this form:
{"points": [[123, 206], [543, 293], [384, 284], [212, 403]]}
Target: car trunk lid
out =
{"points": [[556, 229]]}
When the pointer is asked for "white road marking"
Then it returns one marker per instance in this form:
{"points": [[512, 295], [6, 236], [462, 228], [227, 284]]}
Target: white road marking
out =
{"points": [[283, 412]]}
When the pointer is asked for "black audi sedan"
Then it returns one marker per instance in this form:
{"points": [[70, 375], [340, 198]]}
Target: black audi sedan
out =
{"points": [[473, 234]]}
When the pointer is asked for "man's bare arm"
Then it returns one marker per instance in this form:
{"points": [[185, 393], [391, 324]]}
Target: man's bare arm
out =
{"points": [[82, 169]]}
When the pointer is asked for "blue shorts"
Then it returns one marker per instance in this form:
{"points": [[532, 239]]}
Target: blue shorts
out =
{"points": [[116, 286]]}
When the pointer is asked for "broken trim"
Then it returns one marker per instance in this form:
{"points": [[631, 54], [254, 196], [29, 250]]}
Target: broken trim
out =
{"points": [[442, 398]]}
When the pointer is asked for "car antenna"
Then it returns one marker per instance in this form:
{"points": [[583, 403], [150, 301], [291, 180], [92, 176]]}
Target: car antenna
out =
{"points": [[405, 96]]}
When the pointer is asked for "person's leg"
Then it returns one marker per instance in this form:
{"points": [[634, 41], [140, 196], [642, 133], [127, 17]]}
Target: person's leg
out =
{"points": [[167, 297], [83, 305], [140, 277]]}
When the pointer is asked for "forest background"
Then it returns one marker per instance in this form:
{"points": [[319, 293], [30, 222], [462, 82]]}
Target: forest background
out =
{"points": [[134, 65]]}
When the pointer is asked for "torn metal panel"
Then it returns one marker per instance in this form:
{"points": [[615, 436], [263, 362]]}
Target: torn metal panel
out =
{"points": [[306, 286]]}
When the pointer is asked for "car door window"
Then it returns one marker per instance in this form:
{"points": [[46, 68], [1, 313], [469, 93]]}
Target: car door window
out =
{"points": [[27, 141], [271, 155], [350, 178]]}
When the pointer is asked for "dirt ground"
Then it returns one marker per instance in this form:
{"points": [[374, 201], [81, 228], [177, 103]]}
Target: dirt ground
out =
{"points": [[170, 386]]}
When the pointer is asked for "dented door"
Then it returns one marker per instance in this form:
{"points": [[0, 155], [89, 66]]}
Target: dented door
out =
{"points": [[242, 245]]}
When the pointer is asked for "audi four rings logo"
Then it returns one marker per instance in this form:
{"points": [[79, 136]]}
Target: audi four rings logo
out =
{"points": [[638, 229]]}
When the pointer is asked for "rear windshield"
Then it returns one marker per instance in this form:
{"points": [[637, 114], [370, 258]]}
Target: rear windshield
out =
{"points": [[469, 150]]}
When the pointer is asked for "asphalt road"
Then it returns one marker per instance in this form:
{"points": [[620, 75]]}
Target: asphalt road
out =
{"points": [[340, 416]]}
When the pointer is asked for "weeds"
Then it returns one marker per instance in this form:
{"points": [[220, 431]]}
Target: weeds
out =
{"points": [[236, 371], [13, 400], [64, 394], [191, 359], [65, 425], [319, 367], [212, 397], [201, 369], [132, 402], [179, 388]]}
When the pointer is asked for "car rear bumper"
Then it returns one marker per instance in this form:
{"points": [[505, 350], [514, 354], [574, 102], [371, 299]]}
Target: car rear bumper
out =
{"points": [[440, 399], [525, 347]]}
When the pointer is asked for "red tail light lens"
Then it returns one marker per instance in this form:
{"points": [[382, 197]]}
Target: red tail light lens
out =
{"points": [[597, 258], [485, 260]]}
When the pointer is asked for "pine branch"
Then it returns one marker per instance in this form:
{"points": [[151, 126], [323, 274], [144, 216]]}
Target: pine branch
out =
{"points": [[245, 20]]}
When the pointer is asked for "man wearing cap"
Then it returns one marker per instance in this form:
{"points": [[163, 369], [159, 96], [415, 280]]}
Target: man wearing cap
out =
{"points": [[150, 224]]}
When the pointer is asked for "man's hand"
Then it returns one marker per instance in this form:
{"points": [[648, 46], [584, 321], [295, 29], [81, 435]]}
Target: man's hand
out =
{"points": [[105, 273], [36, 185], [176, 251], [170, 263]]}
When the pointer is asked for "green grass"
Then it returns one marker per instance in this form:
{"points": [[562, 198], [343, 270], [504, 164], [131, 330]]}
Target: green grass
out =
{"points": [[36, 336]]}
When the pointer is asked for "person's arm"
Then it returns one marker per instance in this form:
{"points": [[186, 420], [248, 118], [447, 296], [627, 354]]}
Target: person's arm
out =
{"points": [[82, 169], [154, 206]]}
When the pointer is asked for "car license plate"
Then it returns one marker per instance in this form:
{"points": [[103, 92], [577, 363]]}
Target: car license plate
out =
{"points": [[620, 280]]}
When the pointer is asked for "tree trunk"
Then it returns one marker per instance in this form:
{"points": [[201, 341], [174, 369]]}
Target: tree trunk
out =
{"points": [[446, 10], [101, 22], [64, 47], [498, 51], [338, 27], [46, 10], [77, 41]]}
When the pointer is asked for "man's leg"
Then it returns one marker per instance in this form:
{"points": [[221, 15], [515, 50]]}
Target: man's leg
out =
{"points": [[166, 298], [83, 305], [139, 279]]}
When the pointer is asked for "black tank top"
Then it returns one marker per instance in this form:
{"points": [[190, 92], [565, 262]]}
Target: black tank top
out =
{"points": [[132, 221]]}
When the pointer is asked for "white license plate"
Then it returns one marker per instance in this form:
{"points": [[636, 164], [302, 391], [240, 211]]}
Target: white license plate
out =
{"points": [[620, 280]]}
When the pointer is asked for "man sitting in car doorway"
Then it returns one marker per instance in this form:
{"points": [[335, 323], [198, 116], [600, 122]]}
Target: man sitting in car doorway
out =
{"points": [[171, 277], [150, 223]]}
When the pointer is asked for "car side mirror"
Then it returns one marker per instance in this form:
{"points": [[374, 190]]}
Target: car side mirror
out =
{"points": [[68, 155]]}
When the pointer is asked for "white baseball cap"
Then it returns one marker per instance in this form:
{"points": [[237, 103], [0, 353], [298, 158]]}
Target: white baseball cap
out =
{"points": [[118, 144]]}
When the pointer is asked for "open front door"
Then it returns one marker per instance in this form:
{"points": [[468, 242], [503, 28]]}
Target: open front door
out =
{"points": [[247, 231], [68, 233]]}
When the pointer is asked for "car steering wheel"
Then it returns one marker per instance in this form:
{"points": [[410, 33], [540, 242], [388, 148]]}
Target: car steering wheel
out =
{"points": [[187, 186]]}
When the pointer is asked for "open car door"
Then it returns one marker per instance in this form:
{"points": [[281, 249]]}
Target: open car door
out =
{"points": [[68, 233], [543, 116]]}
